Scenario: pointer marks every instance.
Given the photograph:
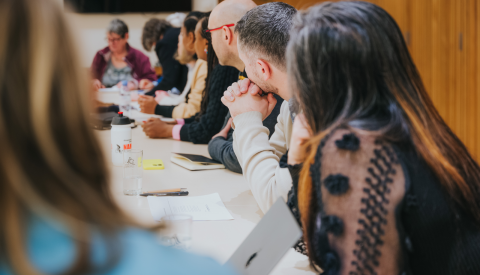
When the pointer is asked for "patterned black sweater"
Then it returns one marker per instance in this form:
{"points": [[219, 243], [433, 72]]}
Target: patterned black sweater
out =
{"points": [[200, 131]]}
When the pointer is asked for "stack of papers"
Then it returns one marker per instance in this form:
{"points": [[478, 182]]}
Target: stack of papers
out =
{"points": [[201, 208]]}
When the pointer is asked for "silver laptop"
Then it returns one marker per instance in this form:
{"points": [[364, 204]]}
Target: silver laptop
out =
{"points": [[265, 246]]}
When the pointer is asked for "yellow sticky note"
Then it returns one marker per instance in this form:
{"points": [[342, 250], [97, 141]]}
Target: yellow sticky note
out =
{"points": [[153, 164]]}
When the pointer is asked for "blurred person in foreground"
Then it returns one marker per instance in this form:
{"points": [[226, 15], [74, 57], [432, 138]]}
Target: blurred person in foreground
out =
{"points": [[385, 186], [222, 22], [187, 103], [57, 213], [160, 35], [200, 128], [119, 61]]}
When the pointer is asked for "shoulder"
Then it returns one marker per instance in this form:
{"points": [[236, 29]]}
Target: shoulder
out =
{"points": [[223, 75], [171, 35], [225, 70], [103, 51], [362, 158], [201, 65], [346, 147], [283, 113], [200, 70], [142, 254], [52, 251], [284, 108], [137, 54], [101, 55]]}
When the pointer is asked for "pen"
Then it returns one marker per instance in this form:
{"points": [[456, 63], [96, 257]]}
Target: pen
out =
{"points": [[182, 193]]}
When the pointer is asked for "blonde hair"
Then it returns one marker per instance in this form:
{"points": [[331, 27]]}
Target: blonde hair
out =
{"points": [[51, 165]]}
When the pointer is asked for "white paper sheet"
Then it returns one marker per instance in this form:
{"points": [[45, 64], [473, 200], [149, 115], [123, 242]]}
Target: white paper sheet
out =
{"points": [[113, 89], [201, 208]]}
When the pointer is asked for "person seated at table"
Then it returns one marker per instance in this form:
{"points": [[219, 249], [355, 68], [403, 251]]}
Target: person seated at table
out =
{"points": [[265, 63], [159, 34], [223, 19], [188, 102], [58, 215], [386, 186], [200, 128], [118, 62]]}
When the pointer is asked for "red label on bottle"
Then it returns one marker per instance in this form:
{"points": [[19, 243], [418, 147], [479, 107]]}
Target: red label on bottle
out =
{"points": [[127, 146]]}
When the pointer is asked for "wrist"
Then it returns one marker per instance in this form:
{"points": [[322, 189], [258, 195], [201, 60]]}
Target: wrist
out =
{"points": [[168, 131], [294, 160], [247, 119]]}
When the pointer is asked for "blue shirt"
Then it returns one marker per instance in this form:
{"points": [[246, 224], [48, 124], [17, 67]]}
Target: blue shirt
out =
{"points": [[52, 251]]}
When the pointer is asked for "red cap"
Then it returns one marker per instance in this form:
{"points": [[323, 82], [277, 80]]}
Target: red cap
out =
{"points": [[120, 113]]}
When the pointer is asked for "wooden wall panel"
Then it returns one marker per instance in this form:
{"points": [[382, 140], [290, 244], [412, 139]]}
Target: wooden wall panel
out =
{"points": [[442, 62], [459, 126], [476, 90], [471, 77]]}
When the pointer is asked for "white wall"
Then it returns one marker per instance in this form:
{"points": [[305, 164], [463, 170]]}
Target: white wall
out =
{"points": [[91, 28]]}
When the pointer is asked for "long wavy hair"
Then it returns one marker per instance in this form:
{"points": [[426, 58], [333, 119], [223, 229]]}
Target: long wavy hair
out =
{"points": [[348, 65], [52, 167]]}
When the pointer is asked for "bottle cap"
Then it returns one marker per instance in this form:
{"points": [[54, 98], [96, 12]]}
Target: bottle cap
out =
{"points": [[124, 83], [120, 119]]}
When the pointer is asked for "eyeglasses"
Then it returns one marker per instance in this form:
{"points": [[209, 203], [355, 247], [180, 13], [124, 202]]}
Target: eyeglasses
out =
{"points": [[113, 40], [211, 30]]}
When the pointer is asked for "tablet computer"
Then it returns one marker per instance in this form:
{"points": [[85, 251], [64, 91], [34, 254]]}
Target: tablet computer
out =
{"points": [[270, 240]]}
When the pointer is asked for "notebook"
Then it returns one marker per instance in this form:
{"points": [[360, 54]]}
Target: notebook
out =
{"points": [[269, 241], [195, 162]]}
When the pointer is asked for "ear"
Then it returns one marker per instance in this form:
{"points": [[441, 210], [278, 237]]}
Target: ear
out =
{"points": [[263, 69], [227, 35], [191, 37], [206, 44], [126, 36]]}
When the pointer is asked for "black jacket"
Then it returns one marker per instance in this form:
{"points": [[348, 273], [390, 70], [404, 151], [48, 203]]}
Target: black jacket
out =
{"points": [[174, 73], [201, 130]]}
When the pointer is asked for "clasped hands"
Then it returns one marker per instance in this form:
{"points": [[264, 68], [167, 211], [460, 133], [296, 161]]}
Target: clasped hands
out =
{"points": [[244, 96]]}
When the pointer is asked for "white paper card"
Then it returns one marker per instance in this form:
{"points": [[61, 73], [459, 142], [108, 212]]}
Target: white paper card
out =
{"points": [[201, 208]]}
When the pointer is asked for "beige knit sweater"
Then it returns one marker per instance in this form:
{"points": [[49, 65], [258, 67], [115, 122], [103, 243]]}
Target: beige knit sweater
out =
{"points": [[260, 157], [190, 108]]}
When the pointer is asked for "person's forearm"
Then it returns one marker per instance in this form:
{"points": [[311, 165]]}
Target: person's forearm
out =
{"points": [[165, 111], [222, 150], [259, 160]]}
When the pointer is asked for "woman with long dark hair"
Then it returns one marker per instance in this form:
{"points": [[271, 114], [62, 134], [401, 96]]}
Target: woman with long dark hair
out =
{"points": [[201, 127], [386, 187]]}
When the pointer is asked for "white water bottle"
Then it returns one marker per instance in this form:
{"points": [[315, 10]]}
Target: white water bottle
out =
{"points": [[121, 137]]}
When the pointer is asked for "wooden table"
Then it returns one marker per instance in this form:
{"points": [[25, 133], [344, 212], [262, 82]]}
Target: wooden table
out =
{"points": [[218, 239]]}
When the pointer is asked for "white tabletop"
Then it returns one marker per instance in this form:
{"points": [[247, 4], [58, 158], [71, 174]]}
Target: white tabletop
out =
{"points": [[218, 239]]}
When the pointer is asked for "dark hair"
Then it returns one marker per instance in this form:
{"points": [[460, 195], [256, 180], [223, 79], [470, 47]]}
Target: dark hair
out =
{"points": [[153, 29], [212, 61], [266, 30], [118, 26], [197, 14], [190, 22], [348, 65]]}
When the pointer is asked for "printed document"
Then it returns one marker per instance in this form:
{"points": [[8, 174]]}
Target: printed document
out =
{"points": [[201, 208]]}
